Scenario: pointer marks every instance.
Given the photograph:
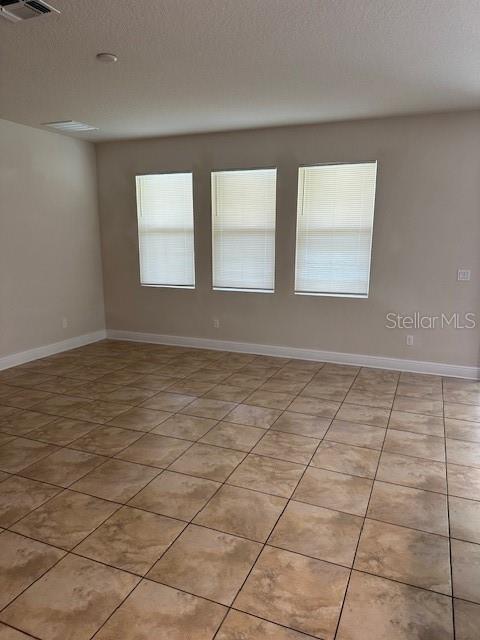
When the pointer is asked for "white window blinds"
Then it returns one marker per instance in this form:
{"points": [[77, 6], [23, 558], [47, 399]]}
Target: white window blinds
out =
{"points": [[165, 229], [243, 229], [334, 228]]}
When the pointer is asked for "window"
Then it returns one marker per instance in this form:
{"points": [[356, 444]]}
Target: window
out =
{"points": [[165, 230], [243, 229], [334, 229]]}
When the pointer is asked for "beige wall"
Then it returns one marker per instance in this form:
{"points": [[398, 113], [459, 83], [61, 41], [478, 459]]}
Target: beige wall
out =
{"points": [[427, 224], [50, 261]]}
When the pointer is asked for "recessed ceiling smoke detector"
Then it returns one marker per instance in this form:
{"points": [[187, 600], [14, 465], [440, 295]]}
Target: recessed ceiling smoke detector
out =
{"points": [[106, 57], [17, 10], [70, 126]]}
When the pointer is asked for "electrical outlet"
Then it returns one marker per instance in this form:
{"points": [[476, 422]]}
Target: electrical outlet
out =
{"points": [[64, 322], [409, 341], [464, 275], [216, 323]]}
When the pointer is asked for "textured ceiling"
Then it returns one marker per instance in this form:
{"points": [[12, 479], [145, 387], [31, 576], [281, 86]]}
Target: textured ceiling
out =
{"points": [[206, 65]]}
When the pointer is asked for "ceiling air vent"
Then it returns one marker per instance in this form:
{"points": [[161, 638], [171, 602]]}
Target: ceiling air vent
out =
{"points": [[70, 126], [16, 10]]}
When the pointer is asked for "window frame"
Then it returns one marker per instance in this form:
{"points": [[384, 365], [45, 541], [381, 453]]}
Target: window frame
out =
{"points": [[243, 289], [320, 294], [188, 287]]}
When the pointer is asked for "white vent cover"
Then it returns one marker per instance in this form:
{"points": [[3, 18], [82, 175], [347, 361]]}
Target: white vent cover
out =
{"points": [[16, 10], [69, 126]]}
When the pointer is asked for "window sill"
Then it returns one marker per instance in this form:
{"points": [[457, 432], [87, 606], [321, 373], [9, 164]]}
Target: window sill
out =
{"points": [[243, 290], [167, 286], [361, 296]]}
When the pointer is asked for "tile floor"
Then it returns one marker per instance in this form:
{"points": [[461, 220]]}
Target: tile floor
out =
{"points": [[154, 492]]}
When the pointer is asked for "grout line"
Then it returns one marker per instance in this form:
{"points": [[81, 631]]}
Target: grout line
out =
{"points": [[448, 520]]}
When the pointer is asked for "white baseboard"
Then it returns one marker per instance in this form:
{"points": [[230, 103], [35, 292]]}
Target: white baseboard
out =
{"points": [[377, 362], [15, 359]]}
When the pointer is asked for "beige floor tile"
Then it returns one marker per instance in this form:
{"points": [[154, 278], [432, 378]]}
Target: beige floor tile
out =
{"points": [[155, 382], [345, 458], [227, 393], [66, 519], [26, 398], [326, 391], [242, 512], [463, 481], [377, 609], [63, 467], [279, 385], [8, 633], [462, 411], [467, 620], [122, 377], [267, 475], [270, 399], [409, 507], [417, 423], [364, 415], [466, 570], [253, 416], [59, 405], [206, 408], [233, 436], [413, 472], [98, 411], [61, 431], [160, 612], [131, 539], [287, 446], [357, 434], [206, 461], [333, 490], [317, 532], [116, 480], [186, 427], [71, 601], [6, 391], [370, 398], [175, 495], [22, 561], [464, 519], [302, 424], [4, 438], [315, 406], [422, 391], [191, 387], [19, 423], [106, 441], [139, 419], [416, 558], [96, 390], [415, 444], [244, 381], [210, 375], [165, 401], [462, 396], [295, 591], [463, 453], [241, 626], [207, 563], [154, 450], [418, 405], [462, 430], [19, 496], [129, 395], [19, 453]]}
